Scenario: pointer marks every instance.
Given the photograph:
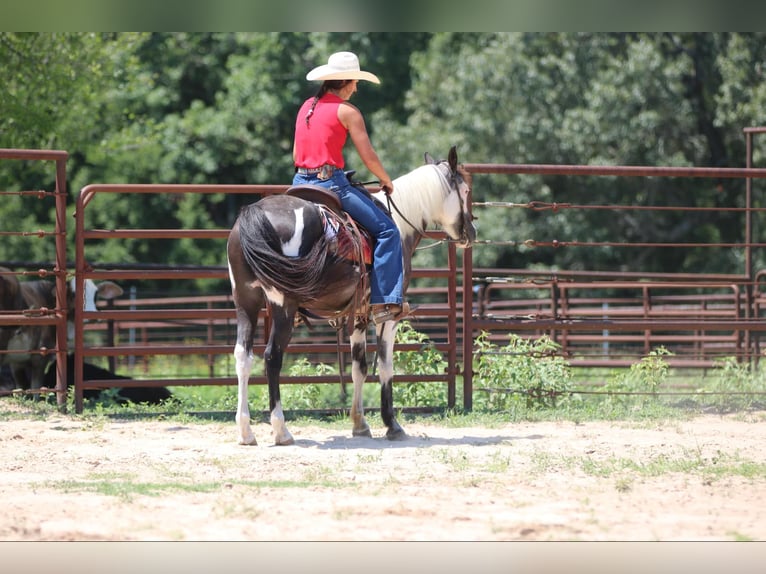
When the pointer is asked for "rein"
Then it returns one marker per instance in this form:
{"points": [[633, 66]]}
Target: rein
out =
{"points": [[395, 208], [407, 221], [422, 235]]}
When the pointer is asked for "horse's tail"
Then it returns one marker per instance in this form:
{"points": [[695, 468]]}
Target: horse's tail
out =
{"points": [[261, 247]]}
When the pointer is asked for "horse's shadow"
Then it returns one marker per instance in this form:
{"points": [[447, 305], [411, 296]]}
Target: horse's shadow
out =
{"points": [[346, 442]]}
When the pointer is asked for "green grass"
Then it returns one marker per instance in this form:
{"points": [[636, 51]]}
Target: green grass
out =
{"points": [[127, 490], [709, 469], [214, 404], [737, 537], [522, 381]]}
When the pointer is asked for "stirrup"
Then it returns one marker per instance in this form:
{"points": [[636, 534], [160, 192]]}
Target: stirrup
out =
{"points": [[383, 312]]}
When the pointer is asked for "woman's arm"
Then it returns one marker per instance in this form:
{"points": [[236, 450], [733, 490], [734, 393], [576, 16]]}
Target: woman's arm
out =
{"points": [[351, 118]]}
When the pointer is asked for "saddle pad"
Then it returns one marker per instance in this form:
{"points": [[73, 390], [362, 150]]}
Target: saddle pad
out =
{"points": [[347, 237]]}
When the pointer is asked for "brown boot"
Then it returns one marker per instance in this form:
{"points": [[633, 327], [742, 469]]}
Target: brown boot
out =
{"points": [[382, 312]]}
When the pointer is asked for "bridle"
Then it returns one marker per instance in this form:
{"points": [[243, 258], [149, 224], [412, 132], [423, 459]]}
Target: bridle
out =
{"points": [[450, 181]]}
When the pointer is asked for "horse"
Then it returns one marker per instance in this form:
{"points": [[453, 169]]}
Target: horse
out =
{"points": [[280, 253]]}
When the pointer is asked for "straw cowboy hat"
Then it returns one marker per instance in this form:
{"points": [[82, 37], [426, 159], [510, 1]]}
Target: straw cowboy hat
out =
{"points": [[341, 66]]}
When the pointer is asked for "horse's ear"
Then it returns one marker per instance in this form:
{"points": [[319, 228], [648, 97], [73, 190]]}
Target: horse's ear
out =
{"points": [[452, 158], [429, 159]]}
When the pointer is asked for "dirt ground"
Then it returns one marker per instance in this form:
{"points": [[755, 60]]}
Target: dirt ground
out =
{"points": [[67, 478]]}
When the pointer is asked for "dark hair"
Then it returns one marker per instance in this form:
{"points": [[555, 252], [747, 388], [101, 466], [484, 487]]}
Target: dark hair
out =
{"points": [[323, 89]]}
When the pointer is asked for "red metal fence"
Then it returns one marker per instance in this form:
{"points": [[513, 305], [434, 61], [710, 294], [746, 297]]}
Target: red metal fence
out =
{"points": [[42, 317], [724, 322], [702, 317]]}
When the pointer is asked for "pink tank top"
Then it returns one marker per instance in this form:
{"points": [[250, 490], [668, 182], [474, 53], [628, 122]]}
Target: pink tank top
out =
{"points": [[321, 141]]}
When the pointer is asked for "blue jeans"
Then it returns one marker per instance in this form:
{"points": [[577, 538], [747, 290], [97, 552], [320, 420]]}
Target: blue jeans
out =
{"points": [[387, 273]]}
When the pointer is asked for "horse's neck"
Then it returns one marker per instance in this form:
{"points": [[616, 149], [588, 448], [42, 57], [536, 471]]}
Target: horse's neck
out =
{"points": [[417, 196]]}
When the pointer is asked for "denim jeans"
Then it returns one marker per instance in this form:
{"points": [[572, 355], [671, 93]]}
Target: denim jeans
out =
{"points": [[386, 277]]}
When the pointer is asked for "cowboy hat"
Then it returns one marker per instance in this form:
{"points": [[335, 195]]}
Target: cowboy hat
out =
{"points": [[341, 66]]}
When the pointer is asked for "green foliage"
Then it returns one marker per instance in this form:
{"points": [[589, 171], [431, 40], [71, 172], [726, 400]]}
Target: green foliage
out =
{"points": [[307, 395], [424, 361], [648, 374], [632, 394], [302, 366], [630, 388], [524, 373], [735, 386], [614, 99], [219, 108]]}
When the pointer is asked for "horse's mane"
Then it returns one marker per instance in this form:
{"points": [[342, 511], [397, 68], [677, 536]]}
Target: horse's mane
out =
{"points": [[261, 247], [419, 196]]}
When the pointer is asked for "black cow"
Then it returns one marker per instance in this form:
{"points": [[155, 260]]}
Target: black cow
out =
{"points": [[151, 395], [10, 300]]}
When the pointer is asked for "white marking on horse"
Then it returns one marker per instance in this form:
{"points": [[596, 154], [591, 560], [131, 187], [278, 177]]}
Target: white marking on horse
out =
{"points": [[292, 247], [231, 276], [276, 297], [360, 426], [254, 284], [244, 362], [451, 216], [281, 434], [387, 336]]}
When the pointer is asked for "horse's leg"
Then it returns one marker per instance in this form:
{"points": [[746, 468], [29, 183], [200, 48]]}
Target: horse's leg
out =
{"points": [[386, 333], [281, 333], [358, 375], [243, 356], [248, 301]]}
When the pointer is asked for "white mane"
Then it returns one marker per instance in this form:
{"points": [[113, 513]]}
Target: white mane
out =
{"points": [[419, 195]]}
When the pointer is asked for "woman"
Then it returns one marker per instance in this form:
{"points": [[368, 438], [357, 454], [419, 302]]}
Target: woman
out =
{"points": [[323, 123]]}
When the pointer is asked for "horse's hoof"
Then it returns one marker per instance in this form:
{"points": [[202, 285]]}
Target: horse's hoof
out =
{"points": [[283, 438], [248, 441], [285, 441], [396, 434], [366, 433]]}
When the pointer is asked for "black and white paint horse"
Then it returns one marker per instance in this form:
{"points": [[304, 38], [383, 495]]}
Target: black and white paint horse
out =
{"points": [[279, 253]]}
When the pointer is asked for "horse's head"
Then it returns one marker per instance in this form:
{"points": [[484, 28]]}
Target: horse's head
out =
{"points": [[457, 220]]}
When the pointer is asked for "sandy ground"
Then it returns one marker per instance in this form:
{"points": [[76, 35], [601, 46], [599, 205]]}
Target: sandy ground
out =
{"points": [[67, 478]]}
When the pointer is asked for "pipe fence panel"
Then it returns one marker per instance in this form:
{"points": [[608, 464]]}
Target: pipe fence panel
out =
{"points": [[614, 318], [12, 319]]}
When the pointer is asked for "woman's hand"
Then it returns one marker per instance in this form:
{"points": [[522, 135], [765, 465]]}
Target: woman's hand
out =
{"points": [[387, 186]]}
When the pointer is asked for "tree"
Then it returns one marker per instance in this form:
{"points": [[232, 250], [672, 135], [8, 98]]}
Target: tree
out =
{"points": [[627, 99], [52, 98], [219, 108]]}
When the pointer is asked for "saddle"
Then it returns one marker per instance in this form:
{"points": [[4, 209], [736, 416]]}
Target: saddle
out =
{"points": [[350, 240]]}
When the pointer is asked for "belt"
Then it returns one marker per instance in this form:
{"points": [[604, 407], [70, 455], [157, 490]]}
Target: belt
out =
{"points": [[313, 170]]}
